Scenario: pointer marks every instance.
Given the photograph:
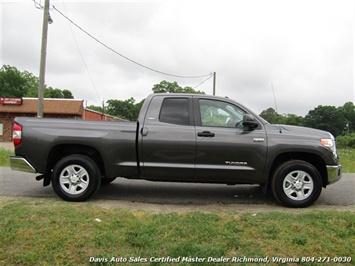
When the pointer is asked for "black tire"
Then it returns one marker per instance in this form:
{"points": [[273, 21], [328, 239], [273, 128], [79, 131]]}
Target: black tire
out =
{"points": [[296, 184], [76, 178]]}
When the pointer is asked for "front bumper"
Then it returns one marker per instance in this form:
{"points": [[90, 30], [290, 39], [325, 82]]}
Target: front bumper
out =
{"points": [[19, 163], [334, 173]]}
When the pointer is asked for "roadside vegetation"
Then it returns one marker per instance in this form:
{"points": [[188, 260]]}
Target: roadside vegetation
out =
{"points": [[347, 160], [50, 232], [4, 156]]}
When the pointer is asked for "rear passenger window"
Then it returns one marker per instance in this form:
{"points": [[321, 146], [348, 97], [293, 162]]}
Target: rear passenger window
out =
{"points": [[175, 111]]}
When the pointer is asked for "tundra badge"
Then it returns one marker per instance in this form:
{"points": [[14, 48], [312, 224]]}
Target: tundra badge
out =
{"points": [[236, 163]]}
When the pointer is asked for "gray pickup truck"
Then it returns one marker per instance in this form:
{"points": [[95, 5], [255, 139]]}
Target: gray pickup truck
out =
{"points": [[178, 138]]}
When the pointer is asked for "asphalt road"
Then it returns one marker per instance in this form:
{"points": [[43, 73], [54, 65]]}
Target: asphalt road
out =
{"points": [[19, 184]]}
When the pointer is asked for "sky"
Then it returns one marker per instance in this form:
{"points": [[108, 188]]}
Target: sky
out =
{"points": [[303, 51]]}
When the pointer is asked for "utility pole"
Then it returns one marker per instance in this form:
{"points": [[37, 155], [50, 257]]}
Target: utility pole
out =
{"points": [[214, 83], [42, 68], [103, 110]]}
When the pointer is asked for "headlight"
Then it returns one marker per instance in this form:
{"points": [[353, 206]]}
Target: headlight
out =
{"points": [[330, 144]]}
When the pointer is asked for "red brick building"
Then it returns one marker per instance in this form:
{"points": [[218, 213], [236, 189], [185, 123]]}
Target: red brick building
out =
{"points": [[59, 108], [52, 108], [95, 115]]}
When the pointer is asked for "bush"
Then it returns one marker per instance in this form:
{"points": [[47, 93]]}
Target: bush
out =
{"points": [[346, 141]]}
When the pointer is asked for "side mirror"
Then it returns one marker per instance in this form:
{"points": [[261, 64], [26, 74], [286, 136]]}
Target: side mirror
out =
{"points": [[249, 122]]}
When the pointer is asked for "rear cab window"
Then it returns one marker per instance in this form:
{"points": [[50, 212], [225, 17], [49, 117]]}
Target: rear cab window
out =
{"points": [[175, 111]]}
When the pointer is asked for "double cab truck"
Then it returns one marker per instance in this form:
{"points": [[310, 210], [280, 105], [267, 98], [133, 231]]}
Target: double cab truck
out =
{"points": [[178, 138]]}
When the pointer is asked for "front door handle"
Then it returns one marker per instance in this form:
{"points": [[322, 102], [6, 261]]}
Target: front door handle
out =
{"points": [[205, 134]]}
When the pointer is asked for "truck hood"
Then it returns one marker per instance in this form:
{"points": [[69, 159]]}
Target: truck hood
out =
{"points": [[303, 132]]}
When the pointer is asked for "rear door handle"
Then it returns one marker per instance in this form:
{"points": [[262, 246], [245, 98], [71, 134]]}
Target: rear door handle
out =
{"points": [[144, 131], [205, 134]]}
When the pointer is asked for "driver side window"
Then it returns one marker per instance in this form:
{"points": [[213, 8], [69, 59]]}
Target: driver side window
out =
{"points": [[220, 114]]}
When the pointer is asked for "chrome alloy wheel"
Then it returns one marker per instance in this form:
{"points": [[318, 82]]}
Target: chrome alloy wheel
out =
{"points": [[298, 185], [74, 179]]}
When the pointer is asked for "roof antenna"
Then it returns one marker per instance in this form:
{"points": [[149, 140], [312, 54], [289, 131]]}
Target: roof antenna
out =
{"points": [[277, 111]]}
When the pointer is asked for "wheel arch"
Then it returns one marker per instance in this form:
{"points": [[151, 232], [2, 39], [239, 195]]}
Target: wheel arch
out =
{"points": [[311, 158], [60, 151]]}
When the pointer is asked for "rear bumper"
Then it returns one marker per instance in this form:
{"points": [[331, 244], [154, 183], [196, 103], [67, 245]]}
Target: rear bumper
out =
{"points": [[334, 173], [19, 163]]}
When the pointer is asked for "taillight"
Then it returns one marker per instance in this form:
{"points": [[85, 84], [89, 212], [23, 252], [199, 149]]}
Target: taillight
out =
{"points": [[17, 135]]}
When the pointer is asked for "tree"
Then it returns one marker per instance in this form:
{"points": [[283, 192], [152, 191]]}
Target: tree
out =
{"points": [[346, 141], [348, 112], [14, 83], [172, 87], [57, 93], [96, 108], [292, 119], [327, 118], [270, 115], [273, 117], [67, 94], [125, 109]]}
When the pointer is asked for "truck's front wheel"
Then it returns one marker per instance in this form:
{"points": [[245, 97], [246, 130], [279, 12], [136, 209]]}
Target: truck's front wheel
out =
{"points": [[296, 184], [76, 178]]}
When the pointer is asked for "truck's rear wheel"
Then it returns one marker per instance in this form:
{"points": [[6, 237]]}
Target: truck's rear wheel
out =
{"points": [[76, 178], [296, 184]]}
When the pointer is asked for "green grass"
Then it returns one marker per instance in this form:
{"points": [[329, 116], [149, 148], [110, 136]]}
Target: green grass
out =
{"points": [[347, 159], [48, 232], [4, 156]]}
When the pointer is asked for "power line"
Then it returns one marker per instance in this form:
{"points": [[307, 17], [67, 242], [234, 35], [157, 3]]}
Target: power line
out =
{"points": [[82, 57], [38, 5], [127, 58], [203, 81]]}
